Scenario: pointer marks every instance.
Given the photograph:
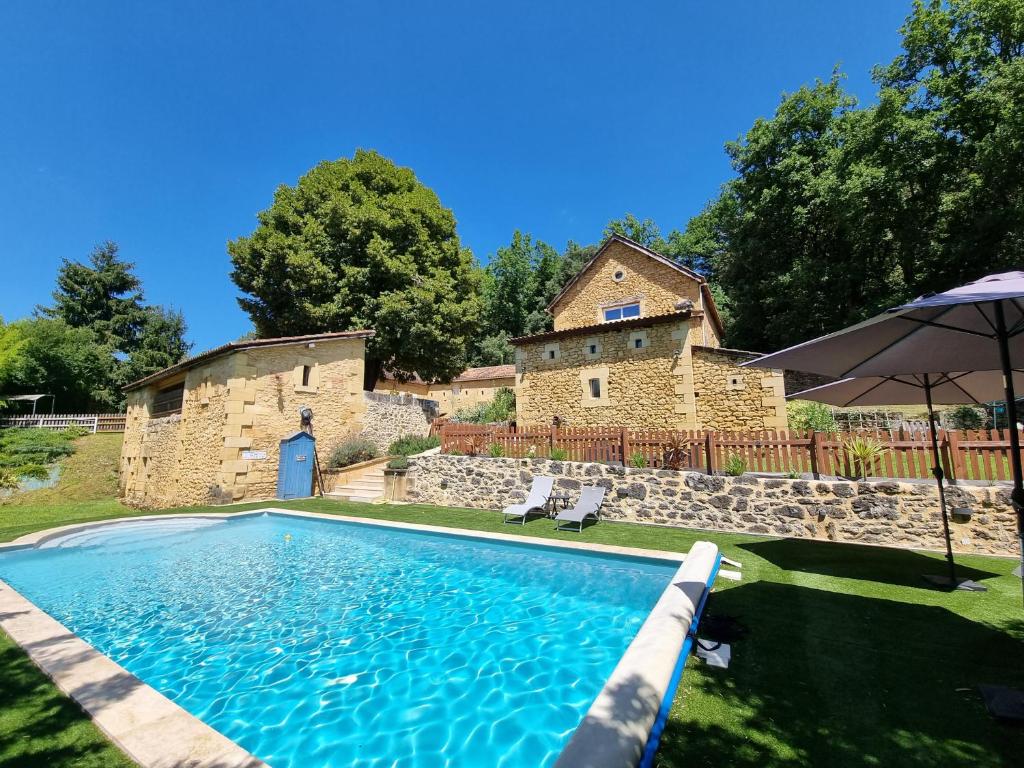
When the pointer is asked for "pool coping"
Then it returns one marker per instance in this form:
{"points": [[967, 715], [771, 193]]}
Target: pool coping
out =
{"points": [[157, 733]]}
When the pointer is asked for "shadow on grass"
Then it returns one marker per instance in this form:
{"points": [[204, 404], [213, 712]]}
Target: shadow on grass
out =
{"points": [[825, 678], [39, 726], [855, 561]]}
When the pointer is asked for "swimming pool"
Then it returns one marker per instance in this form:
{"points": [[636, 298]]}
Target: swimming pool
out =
{"points": [[314, 642]]}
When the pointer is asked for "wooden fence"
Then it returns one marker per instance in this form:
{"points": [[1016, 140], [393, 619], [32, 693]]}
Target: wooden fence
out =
{"points": [[94, 422], [966, 455]]}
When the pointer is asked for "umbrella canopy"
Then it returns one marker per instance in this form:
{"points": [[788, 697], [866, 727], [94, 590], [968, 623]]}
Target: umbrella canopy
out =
{"points": [[953, 331], [975, 387]]}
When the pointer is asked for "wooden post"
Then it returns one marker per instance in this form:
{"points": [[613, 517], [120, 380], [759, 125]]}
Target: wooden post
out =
{"points": [[709, 448], [551, 438], [817, 458], [625, 445], [956, 456]]}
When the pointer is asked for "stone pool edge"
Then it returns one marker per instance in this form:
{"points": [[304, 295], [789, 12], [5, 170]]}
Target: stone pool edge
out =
{"points": [[157, 733]]}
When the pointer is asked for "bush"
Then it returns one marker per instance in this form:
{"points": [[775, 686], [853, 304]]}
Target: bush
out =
{"points": [[638, 460], [28, 452], [864, 453], [735, 466], [402, 462], [966, 417], [409, 445], [558, 454], [804, 414], [496, 450], [33, 472], [502, 408], [352, 450], [8, 480], [74, 431]]}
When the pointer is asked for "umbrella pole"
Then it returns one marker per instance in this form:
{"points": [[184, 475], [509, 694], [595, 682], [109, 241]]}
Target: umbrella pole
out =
{"points": [[1017, 494], [937, 472]]}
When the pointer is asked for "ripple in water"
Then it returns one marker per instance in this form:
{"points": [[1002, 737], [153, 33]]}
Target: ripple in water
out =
{"points": [[316, 643]]}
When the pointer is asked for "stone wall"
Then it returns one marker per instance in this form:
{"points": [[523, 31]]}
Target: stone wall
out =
{"points": [[885, 513], [658, 287], [235, 411], [450, 396], [390, 416], [730, 397]]}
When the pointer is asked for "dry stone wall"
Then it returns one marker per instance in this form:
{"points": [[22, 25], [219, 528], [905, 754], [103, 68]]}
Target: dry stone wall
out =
{"points": [[884, 513], [389, 417]]}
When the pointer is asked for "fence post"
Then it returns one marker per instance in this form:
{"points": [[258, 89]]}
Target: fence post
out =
{"points": [[709, 448], [817, 460], [956, 459], [551, 439], [625, 445]]}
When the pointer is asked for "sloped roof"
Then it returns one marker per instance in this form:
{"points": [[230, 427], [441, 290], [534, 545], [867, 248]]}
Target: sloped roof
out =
{"points": [[612, 325], [705, 289], [487, 372], [236, 346]]}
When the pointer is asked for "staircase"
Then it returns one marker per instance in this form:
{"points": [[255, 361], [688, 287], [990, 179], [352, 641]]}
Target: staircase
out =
{"points": [[365, 486]]}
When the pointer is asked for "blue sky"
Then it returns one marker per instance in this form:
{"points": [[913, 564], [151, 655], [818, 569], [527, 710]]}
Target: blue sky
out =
{"points": [[167, 126]]}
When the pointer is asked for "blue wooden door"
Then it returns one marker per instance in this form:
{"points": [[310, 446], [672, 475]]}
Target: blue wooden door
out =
{"points": [[295, 468]]}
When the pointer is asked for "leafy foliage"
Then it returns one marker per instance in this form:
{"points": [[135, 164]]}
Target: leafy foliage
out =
{"points": [[501, 409], [806, 414], [409, 445], [735, 466], [352, 450], [838, 212], [558, 454], [362, 243], [864, 453], [495, 450], [399, 462], [26, 453], [966, 417], [637, 460], [677, 453]]}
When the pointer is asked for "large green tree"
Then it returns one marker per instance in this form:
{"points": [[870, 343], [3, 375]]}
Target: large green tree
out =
{"points": [[837, 212], [362, 243]]}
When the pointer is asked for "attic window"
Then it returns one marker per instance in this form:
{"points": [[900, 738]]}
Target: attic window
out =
{"points": [[619, 275], [305, 375]]}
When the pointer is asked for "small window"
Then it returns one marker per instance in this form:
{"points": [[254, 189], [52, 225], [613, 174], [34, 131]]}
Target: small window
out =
{"points": [[551, 354], [593, 349], [595, 388], [305, 375], [619, 275], [638, 343], [621, 313]]}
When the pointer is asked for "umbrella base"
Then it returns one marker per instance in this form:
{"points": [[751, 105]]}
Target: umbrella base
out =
{"points": [[965, 585], [1003, 703]]}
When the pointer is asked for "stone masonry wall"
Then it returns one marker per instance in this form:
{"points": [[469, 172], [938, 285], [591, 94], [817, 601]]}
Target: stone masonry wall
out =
{"points": [[389, 417], [656, 286], [245, 401], [884, 513], [730, 397]]}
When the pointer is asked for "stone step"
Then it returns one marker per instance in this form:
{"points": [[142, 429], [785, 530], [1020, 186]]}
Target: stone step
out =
{"points": [[369, 483], [354, 495]]}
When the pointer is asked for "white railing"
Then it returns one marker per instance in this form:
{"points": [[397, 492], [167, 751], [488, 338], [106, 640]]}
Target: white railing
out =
{"points": [[94, 422]]}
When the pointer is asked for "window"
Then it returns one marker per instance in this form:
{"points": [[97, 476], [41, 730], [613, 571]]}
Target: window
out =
{"points": [[595, 388], [168, 401], [593, 349], [619, 275], [551, 354], [638, 343], [305, 375], [623, 312]]}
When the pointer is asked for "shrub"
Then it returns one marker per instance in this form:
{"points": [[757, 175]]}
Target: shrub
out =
{"points": [[501, 408], [677, 453], [352, 450], [637, 460], [402, 462], [74, 431], [864, 453], [408, 445], [475, 445], [804, 414], [966, 417], [735, 466], [496, 450], [558, 454], [33, 472], [8, 480]]}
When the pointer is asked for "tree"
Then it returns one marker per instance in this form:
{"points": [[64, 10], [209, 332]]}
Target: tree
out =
{"points": [[68, 363], [104, 296], [161, 344], [362, 243], [838, 212]]}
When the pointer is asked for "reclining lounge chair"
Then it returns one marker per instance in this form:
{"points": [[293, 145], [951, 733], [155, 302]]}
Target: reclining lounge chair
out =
{"points": [[536, 500], [589, 505]]}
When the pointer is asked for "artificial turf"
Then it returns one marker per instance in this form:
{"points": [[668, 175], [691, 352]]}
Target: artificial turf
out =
{"points": [[848, 659]]}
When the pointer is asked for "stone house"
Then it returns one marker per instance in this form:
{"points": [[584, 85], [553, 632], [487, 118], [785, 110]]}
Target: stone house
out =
{"points": [[637, 343], [471, 387], [207, 430]]}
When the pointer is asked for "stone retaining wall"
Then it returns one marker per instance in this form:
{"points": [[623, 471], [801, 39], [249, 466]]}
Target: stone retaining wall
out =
{"points": [[887, 513], [391, 416]]}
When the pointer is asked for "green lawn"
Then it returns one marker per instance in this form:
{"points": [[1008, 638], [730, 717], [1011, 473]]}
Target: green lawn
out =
{"points": [[847, 661]]}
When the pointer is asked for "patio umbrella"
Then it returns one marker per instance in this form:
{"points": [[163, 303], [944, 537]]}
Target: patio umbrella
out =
{"points": [[976, 327], [910, 389]]}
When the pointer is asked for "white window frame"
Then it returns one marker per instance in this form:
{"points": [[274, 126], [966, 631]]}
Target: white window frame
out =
{"points": [[620, 309]]}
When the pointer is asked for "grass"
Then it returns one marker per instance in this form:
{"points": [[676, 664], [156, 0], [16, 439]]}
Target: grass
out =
{"points": [[848, 659]]}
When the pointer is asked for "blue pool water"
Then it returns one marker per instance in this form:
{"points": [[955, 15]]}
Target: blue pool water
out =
{"points": [[322, 643]]}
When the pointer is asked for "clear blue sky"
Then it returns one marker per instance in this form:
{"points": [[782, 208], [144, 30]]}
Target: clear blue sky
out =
{"points": [[167, 126]]}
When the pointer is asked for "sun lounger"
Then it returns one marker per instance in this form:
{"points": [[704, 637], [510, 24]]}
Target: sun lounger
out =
{"points": [[536, 500], [589, 505]]}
